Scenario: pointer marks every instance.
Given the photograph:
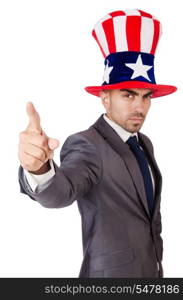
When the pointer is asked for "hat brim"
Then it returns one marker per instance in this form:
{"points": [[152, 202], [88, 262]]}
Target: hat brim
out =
{"points": [[159, 90]]}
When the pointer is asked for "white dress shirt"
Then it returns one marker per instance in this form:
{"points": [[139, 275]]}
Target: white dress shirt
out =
{"points": [[35, 180]]}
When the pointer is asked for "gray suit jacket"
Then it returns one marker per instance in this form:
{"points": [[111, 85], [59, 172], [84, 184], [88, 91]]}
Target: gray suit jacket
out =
{"points": [[120, 239]]}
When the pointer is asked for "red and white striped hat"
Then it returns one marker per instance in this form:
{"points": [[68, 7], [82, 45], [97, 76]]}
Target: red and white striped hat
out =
{"points": [[128, 40]]}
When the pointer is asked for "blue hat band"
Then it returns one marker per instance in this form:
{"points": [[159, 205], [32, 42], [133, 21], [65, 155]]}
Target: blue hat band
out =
{"points": [[129, 66]]}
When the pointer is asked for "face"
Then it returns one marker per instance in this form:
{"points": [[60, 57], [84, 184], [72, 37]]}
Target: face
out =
{"points": [[127, 107]]}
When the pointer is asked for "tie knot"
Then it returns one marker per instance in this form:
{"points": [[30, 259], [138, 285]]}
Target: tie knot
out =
{"points": [[132, 141]]}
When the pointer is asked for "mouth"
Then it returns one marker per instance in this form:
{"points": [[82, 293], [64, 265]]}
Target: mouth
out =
{"points": [[136, 119]]}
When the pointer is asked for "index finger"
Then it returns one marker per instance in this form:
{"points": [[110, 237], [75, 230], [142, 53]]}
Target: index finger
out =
{"points": [[34, 118]]}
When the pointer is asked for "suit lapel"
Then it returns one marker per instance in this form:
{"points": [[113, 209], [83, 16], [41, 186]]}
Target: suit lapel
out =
{"points": [[123, 150]]}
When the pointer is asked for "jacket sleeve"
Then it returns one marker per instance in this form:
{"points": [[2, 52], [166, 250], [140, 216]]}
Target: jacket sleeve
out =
{"points": [[80, 170]]}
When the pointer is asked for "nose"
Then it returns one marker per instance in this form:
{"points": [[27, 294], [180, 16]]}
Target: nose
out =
{"points": [[139, 104]]}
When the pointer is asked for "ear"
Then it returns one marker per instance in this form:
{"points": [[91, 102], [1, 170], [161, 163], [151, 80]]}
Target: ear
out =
{"points": [[105, 98], [104, 94]]}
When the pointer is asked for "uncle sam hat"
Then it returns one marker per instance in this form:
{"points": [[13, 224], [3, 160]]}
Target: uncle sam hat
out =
{"points": [[128, 40]]}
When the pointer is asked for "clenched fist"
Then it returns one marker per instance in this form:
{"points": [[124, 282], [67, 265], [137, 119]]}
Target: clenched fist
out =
{"points": [[35, 147]]}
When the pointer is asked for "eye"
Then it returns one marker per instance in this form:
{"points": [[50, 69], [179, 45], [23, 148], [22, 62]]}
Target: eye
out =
{"points": [[128, 95], [149, 96]]}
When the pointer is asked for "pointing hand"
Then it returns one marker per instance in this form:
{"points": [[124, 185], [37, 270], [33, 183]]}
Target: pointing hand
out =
{"points": [[35, 147]]}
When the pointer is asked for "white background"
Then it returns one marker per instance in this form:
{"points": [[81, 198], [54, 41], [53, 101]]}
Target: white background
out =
{"points": [[48, 56]]}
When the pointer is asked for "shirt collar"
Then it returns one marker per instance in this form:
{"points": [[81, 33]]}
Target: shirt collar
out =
{"points": [[124, 135]]}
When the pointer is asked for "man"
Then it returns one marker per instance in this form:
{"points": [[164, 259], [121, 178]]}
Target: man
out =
{"points": [[110, 168]]}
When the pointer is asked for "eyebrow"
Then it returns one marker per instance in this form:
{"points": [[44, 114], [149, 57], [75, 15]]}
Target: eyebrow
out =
{"points": [[135, 93]]}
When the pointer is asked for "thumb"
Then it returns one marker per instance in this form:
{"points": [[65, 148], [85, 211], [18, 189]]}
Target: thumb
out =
{"points": [[53, 143]]}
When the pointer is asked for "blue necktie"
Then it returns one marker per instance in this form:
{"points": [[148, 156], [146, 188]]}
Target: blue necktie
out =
{"points": [[143, 164]]}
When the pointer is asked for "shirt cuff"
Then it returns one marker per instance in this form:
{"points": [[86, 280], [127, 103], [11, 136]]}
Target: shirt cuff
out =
{"points": [[35, 180]]}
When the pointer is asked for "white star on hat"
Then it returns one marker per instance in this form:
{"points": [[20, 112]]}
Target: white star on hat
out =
{"points": [[139, 69], [107, 72]]}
